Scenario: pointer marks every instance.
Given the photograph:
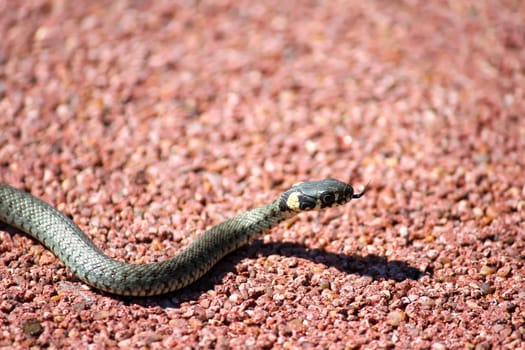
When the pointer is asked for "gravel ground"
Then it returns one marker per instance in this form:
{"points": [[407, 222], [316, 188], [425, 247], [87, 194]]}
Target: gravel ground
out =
{"points": [[150, 123]]}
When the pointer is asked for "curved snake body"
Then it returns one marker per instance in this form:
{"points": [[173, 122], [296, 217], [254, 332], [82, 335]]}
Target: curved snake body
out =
{"points": [[65, 239]]}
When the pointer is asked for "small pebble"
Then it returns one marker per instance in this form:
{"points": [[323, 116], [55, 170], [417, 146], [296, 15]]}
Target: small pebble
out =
{"points": [[487, 270], [33, 328], [487, 288], [395, 318], [504, 271]]}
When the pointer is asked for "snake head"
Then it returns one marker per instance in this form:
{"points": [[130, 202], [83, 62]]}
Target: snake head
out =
{"points": [[317, 195]]}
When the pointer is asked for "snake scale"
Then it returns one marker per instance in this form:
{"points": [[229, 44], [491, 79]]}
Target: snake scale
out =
{"points": [[65, 239]]}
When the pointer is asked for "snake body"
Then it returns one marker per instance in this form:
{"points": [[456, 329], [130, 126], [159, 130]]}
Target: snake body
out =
{"points": [[65, 239]]}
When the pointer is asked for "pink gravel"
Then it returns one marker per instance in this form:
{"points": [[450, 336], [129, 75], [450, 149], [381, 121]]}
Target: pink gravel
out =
{"points": [[148, 123]]}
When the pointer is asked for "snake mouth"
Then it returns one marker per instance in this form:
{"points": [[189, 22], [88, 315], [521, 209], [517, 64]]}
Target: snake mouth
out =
{"points": [[362, 193]]}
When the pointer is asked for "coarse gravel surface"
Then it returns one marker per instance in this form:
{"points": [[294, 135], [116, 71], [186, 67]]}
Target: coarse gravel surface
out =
{"points": [[148, 122]]}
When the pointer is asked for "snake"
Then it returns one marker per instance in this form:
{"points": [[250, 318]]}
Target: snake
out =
{"points": [[87, 262]]}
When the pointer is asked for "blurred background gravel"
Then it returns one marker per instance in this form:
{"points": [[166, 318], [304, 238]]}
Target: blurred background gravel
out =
{"points": [[148, 122]]}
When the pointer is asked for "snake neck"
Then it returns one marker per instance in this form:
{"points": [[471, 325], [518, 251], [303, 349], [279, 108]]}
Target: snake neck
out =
{"points": [[247, 226], [193, 261]]}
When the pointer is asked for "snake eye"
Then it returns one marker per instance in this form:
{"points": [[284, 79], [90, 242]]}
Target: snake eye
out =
{"points": [[328, 198]]}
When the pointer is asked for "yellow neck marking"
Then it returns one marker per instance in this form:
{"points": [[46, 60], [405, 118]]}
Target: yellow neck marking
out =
{"points": [[293, 201]]}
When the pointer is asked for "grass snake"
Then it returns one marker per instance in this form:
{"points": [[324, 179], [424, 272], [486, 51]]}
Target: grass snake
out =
{"points": [[65, 239]]}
